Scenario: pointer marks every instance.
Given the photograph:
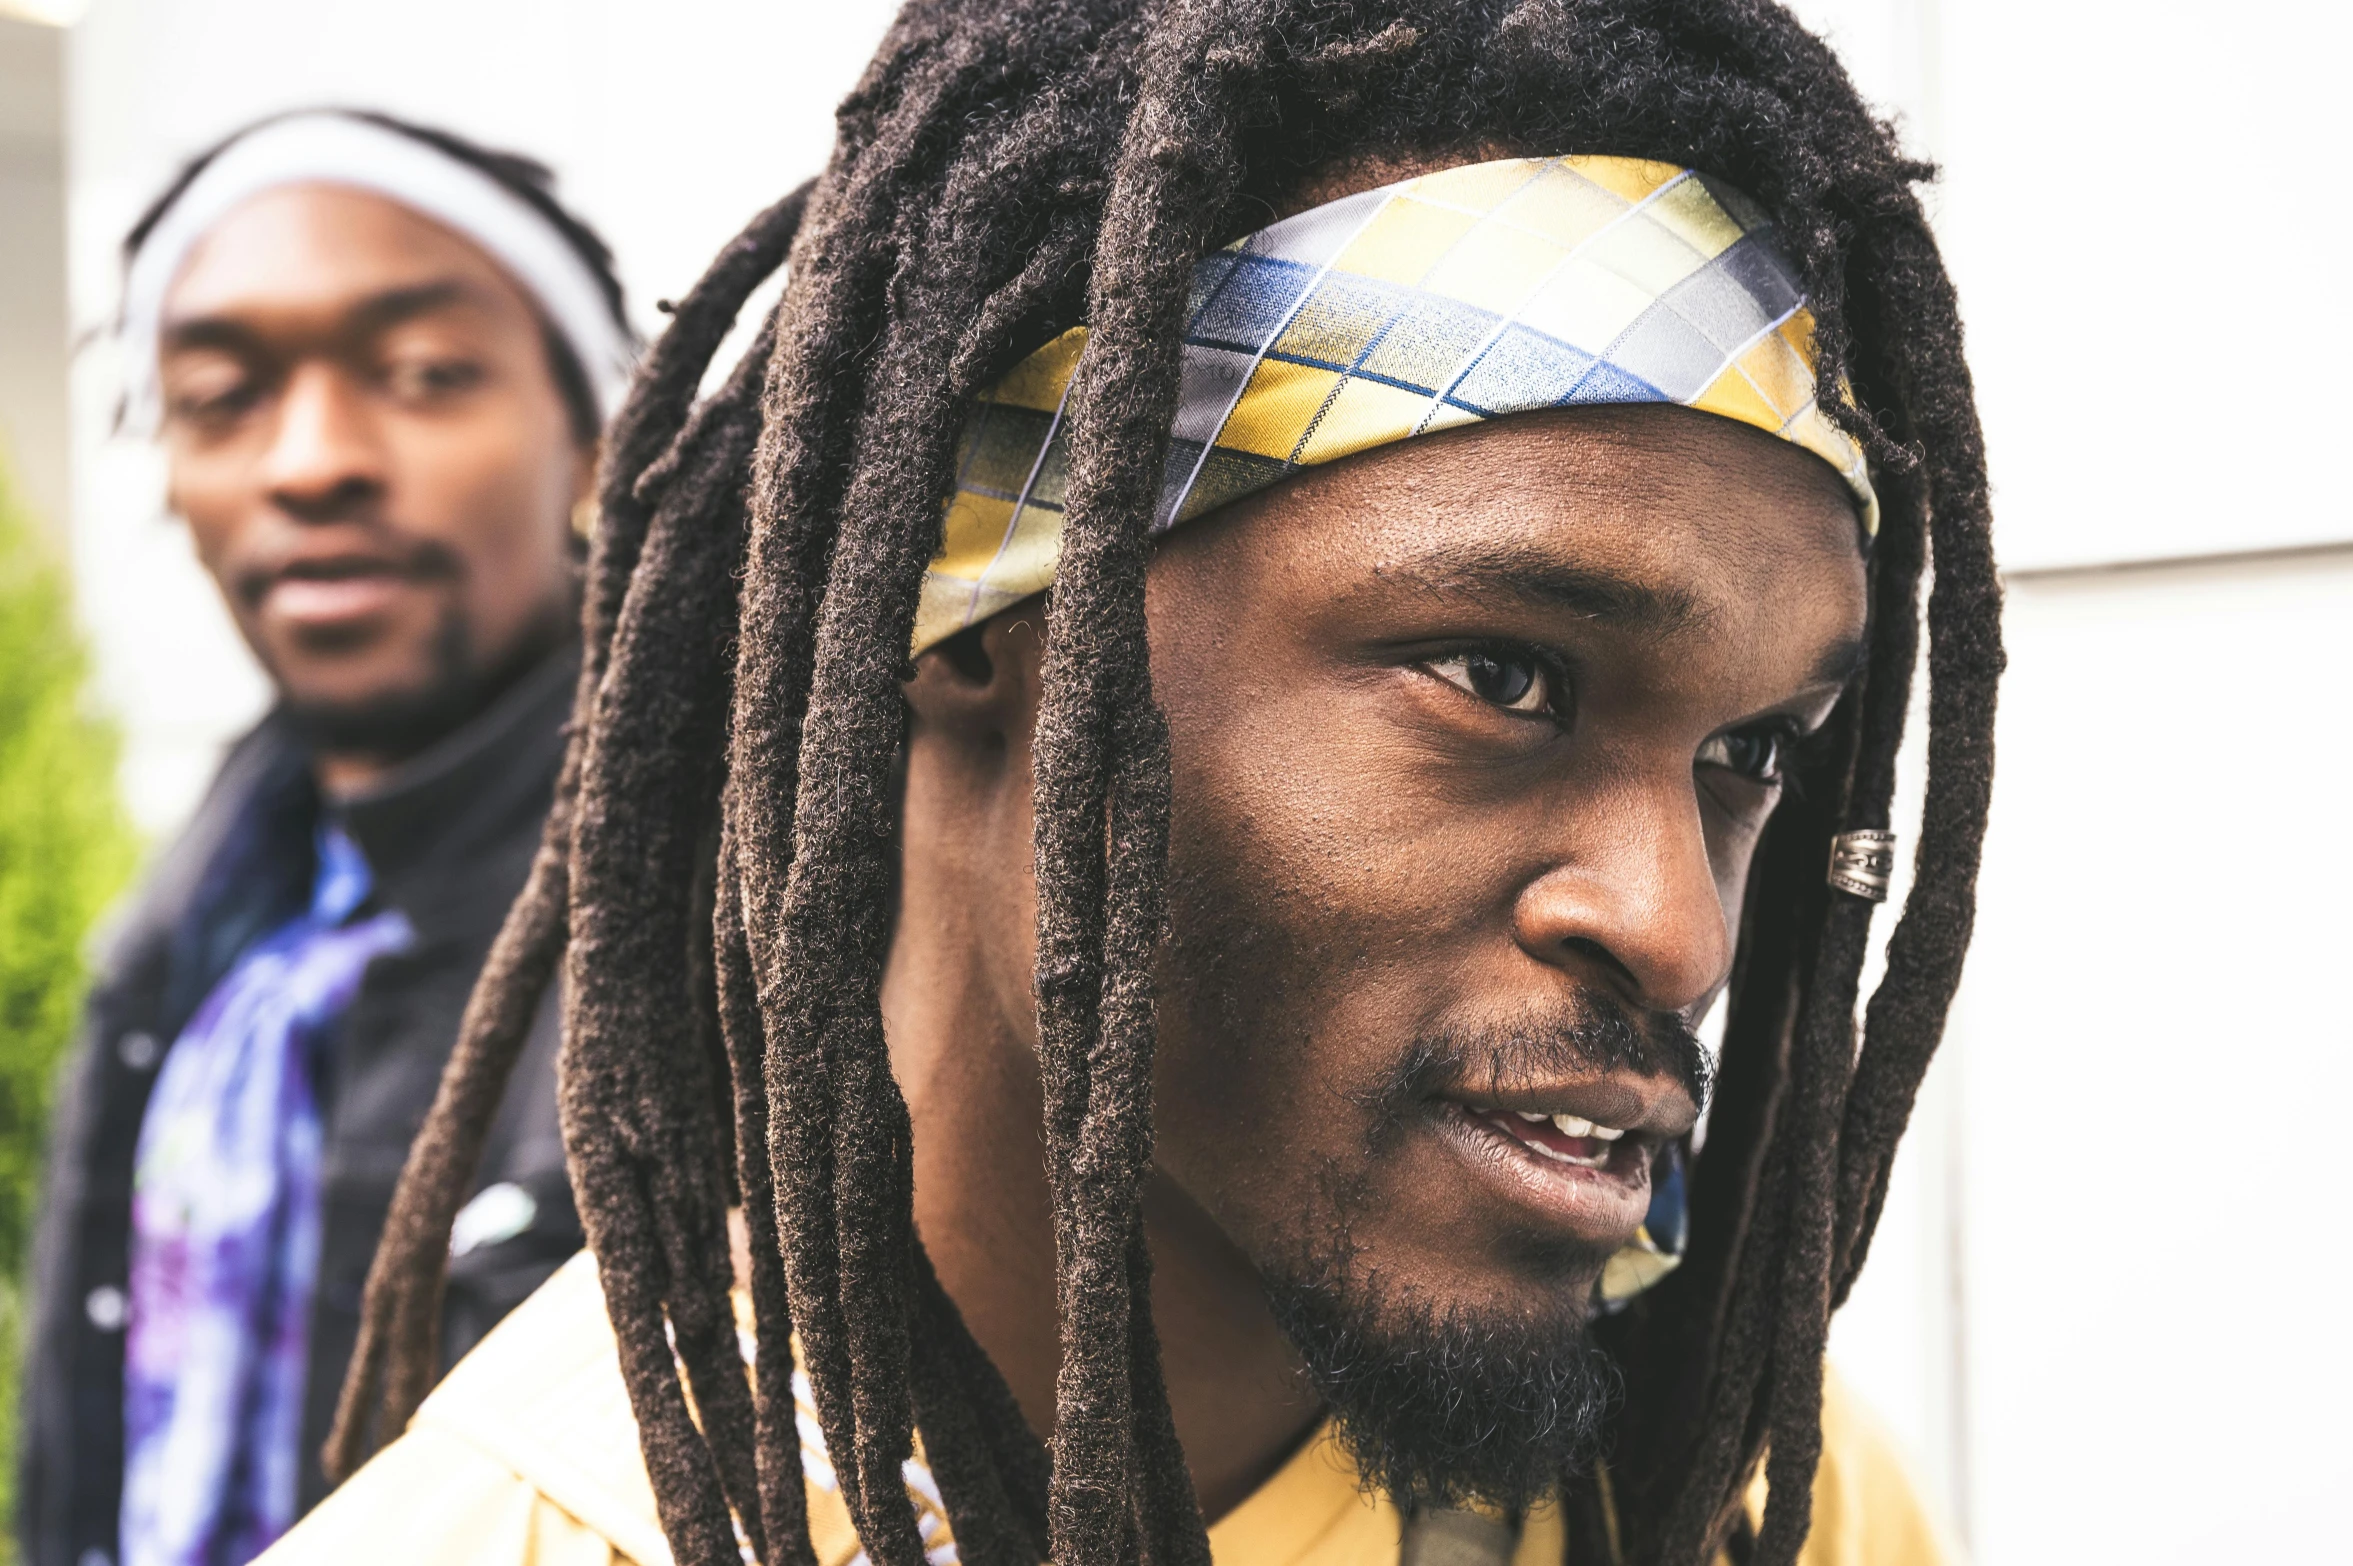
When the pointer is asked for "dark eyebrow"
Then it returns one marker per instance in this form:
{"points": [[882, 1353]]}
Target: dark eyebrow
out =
{"points": [[373, 313], [396, 305], [206, 331], [1535, 577], [1841, 661], [1538, 579]]}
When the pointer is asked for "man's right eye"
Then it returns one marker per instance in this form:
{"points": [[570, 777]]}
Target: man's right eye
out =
{"points": [[212, 398], [1511, 678]]}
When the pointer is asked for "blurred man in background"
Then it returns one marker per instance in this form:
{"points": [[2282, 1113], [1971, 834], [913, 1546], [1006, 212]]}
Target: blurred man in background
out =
{"points": [[378, 358]]}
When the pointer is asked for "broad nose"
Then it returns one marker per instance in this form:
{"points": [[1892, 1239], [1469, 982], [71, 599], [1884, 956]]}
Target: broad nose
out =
{"points": [[1637, 898], [324, 459]]}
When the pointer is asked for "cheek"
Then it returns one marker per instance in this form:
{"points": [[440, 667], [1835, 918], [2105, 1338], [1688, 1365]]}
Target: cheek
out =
{"points": [[216, 497], [1732, 850], [498, 491], [1244, 973], [1297, 975]]}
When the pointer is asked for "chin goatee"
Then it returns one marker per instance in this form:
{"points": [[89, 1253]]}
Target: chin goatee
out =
{"points": [[1447, 1409]]}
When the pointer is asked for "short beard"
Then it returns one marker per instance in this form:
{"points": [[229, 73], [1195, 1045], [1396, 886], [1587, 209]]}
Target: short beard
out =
{"points": [[398, 724], [1448, 1408]]}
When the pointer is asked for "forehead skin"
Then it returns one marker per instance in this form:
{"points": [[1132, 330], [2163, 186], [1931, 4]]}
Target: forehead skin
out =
{"points": [[300, 256], [1702, 512]]}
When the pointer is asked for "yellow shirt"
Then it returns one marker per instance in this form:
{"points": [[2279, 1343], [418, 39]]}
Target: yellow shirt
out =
{"points": [[527, 1456]]}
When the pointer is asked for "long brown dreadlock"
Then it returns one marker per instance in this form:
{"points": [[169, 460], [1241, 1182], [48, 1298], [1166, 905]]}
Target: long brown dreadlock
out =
{"points": [[717, 874]]}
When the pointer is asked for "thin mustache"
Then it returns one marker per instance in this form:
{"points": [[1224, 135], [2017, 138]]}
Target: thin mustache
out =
{"points": [[1603, 1036], [421, 561]]}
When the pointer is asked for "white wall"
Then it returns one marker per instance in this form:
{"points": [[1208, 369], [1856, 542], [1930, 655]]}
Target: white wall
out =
{"points": [[2156, 1062], [2100, 1311]]}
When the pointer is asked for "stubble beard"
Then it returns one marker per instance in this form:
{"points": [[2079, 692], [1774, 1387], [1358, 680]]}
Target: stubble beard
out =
{"points": [[397, 723]]}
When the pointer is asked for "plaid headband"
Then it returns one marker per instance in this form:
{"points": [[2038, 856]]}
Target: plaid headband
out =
{"points": [[1459, 296]]}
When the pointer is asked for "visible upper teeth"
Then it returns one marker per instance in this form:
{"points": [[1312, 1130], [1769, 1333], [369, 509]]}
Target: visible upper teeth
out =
{"points": [[1571, 1125], [1566, 1125]]}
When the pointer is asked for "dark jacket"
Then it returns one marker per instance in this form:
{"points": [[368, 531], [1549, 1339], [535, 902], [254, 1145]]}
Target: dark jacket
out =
{"points": [[449, 836]]}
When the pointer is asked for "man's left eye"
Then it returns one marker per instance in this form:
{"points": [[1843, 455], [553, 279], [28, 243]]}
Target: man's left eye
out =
{"points": [[424, 378], [1755, 754]]}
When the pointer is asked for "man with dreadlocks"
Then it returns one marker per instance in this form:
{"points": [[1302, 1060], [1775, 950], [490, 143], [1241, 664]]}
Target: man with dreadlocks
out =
{"points": [[1161, 779]]}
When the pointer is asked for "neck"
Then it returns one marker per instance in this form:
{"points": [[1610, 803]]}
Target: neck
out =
{"points": [[964, 1053], [342, 774]]}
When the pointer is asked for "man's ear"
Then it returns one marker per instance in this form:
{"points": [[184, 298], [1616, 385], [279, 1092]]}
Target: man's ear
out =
{"points": [[984, 680]]}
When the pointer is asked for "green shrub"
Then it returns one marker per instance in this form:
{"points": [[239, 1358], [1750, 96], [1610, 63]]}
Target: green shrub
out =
{"points": [[65, 851]]}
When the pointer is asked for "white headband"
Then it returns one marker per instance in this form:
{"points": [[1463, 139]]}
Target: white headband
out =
{"points": [[328, 148]]}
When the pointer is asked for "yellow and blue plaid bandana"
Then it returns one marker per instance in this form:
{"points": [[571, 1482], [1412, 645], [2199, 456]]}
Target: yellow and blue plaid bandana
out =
{"points": [[1470, 294]]}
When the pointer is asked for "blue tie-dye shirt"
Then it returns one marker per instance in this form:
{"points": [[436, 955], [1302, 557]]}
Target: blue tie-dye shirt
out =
{"points": [[225, 1235]]}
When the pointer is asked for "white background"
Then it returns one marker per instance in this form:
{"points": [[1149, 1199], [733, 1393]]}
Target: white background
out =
{"points": [[2103, 1314]]}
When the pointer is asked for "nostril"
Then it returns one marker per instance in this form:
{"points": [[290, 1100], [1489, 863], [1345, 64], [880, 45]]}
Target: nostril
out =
{"points": [[1592, 950], [342, 499]]}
